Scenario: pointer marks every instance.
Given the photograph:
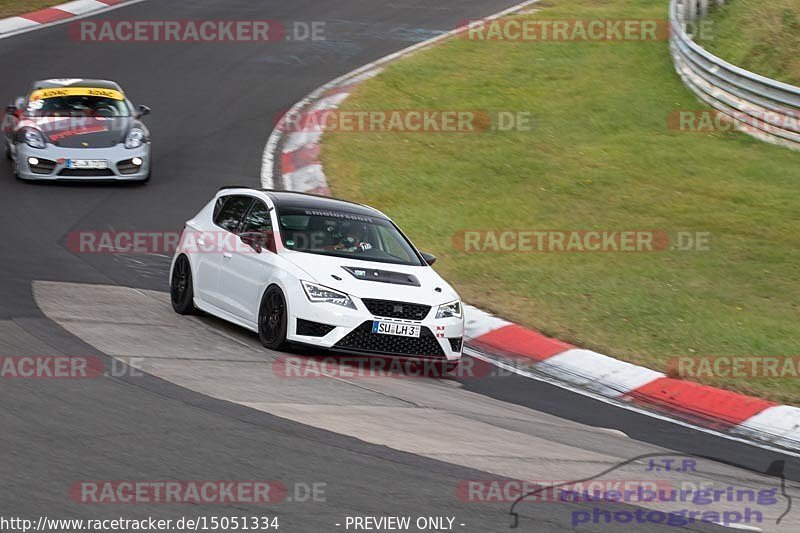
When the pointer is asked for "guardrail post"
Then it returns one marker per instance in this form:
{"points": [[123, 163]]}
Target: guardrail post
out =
{"points": [[703, 8]]}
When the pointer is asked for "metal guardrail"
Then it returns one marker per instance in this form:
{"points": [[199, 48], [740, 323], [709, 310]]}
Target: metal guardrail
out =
{"points": [[762, 107]]}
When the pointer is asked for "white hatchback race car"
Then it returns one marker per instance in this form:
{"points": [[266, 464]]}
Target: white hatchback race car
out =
{"points": [[312, 270]]}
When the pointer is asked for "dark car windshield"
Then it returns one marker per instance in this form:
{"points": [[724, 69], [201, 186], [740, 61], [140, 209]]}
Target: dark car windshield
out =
{"points": [[343, 234], [77, 105]]}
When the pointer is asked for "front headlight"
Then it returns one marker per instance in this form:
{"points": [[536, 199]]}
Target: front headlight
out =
{"points": [[320, 293], [33, 138], [135, 138], [449, 310]]}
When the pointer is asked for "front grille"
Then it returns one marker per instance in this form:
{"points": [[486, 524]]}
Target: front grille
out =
{"points": [[127, 167], [86, 172], [45, 166], [455, 343], [404, 310], [362, 339], [312, 329]]}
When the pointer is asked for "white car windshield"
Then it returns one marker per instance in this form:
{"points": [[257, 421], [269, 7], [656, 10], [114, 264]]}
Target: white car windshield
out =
{"points": [[348, 235]]}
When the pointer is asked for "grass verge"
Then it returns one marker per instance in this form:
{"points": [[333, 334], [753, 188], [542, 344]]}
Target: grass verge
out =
{"points": [[600, 156], [763, 37]]}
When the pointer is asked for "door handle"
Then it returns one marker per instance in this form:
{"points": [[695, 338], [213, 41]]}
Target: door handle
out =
{"points": [[226, 255]]}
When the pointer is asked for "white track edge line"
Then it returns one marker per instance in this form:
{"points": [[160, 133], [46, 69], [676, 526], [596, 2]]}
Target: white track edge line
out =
{"points": [[629, 407], [70, 19]]}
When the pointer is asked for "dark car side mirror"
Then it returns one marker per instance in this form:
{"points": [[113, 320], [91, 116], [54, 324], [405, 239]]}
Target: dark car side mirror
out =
{"points": [[429, 258], [11, 109], [144, 110]]}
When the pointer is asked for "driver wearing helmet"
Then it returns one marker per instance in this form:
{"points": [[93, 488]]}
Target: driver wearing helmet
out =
{"points": [[350, 237]]}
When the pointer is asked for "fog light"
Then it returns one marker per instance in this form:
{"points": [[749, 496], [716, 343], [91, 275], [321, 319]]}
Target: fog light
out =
{"points": [[32, 161], [137, 161]]}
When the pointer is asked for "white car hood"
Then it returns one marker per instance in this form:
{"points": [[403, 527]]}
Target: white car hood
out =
{"points": [[322, 269]]}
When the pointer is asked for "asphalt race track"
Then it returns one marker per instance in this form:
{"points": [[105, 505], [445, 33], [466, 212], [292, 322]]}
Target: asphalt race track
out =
{"points": [[214, 106]]}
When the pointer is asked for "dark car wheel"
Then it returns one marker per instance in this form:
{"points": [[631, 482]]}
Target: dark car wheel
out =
{"points": [[272, 319], [180, 287]]}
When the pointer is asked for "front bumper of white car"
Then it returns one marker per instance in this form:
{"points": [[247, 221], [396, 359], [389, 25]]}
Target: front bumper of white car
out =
{"points": [[347, 330], [53, 163]]}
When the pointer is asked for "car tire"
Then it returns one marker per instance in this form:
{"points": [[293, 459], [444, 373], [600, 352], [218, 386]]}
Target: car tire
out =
{"points": [[181, 289], [273, 319]]}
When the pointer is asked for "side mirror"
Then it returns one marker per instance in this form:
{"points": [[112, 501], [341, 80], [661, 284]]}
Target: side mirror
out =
{"points": [[143, 110], [429, 258], [6, 121]]}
